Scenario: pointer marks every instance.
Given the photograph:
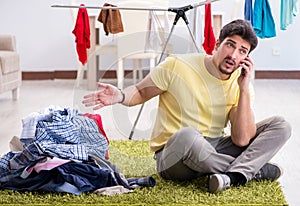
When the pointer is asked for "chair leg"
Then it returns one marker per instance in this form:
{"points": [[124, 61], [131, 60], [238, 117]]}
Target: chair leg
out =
{"points": [[134, 71], [79, 77], [15, 93], [152, 63], [140, 70], [120, 74]]}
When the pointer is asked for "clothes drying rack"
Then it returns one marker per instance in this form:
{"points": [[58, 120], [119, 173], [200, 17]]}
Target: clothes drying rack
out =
{"points": [[180, 13]]}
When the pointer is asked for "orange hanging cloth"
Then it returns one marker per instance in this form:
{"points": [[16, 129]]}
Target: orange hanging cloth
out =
{"points": [[82, 34], [209, 37]]}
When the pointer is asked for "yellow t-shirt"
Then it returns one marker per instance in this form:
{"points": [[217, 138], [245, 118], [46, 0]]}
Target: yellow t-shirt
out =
{"points": [[192, 97]]}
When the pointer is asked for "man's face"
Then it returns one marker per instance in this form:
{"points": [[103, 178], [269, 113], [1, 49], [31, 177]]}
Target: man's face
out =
{"points": [[230, 53]]}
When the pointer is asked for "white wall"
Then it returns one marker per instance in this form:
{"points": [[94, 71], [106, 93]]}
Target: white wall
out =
{"points": [[43, 34], [45, 41]]}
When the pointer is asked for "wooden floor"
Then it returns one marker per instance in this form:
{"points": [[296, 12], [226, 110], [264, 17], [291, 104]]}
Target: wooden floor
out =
{"points": [[273, 97]]}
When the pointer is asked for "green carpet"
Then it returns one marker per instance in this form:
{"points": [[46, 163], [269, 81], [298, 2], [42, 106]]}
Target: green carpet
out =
{"points": [[134, 159]]}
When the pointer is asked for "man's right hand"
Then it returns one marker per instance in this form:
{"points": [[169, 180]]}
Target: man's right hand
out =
{"points": [[107, 95]]}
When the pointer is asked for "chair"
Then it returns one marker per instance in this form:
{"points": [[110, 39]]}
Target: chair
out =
{"points": [[10, 74], [131, 43]]}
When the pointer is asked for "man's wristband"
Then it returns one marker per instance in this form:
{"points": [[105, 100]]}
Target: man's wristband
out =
{"points": [[123, 96]]}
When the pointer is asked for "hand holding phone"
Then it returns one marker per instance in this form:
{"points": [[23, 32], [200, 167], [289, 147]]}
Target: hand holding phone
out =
{"points": [[243, 72]]}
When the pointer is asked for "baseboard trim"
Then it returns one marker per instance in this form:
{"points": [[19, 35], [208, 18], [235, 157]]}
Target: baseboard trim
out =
{"points": [[277, 74], [34, 75]]}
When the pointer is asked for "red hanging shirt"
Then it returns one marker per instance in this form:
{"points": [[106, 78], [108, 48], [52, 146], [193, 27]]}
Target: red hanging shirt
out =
{"points": [[82, 34], [209, 37]]}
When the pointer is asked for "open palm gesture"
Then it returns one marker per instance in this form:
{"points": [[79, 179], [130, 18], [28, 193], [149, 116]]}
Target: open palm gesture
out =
{"points": [[107, 95]]}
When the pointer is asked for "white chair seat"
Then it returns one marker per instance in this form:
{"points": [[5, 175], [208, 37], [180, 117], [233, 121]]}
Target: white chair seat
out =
{"points": [[143, 56], [106, 49]]}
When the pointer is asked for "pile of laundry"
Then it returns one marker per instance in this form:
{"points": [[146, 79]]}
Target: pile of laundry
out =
{"points": [[61, 150]]}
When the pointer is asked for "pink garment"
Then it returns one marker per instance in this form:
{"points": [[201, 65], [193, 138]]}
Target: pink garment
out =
{"points": [[82, 34], [209, 37], [49, 164], [46, 163]]}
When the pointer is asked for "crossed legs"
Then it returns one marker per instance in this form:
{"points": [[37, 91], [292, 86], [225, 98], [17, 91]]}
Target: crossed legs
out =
{"points": [[188, 154]]}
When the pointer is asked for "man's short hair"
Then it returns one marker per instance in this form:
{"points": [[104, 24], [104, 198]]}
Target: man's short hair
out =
{"points": [[242, 28]]}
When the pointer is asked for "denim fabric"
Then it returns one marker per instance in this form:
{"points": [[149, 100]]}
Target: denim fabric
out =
{"points": [[143, 181], [74, 177], [83, 176]]}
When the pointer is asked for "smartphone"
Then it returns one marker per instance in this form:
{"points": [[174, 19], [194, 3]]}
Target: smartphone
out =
{"points": [[243, 70]]}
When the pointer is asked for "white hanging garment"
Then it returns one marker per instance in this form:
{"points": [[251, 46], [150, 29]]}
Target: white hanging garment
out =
{"points": [[195, 24], [153, 40]]}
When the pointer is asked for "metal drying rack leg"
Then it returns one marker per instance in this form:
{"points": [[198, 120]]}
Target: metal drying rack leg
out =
{"points": [[180, 13]]}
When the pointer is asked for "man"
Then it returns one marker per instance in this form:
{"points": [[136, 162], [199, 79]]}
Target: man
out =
{"points": [[198, 95]]}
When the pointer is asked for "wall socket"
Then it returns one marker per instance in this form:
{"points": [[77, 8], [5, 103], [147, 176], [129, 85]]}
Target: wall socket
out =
{"points": [[276, 51]]}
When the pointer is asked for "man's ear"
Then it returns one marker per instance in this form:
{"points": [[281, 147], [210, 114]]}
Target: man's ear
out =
{"points": [[217, 44]]}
